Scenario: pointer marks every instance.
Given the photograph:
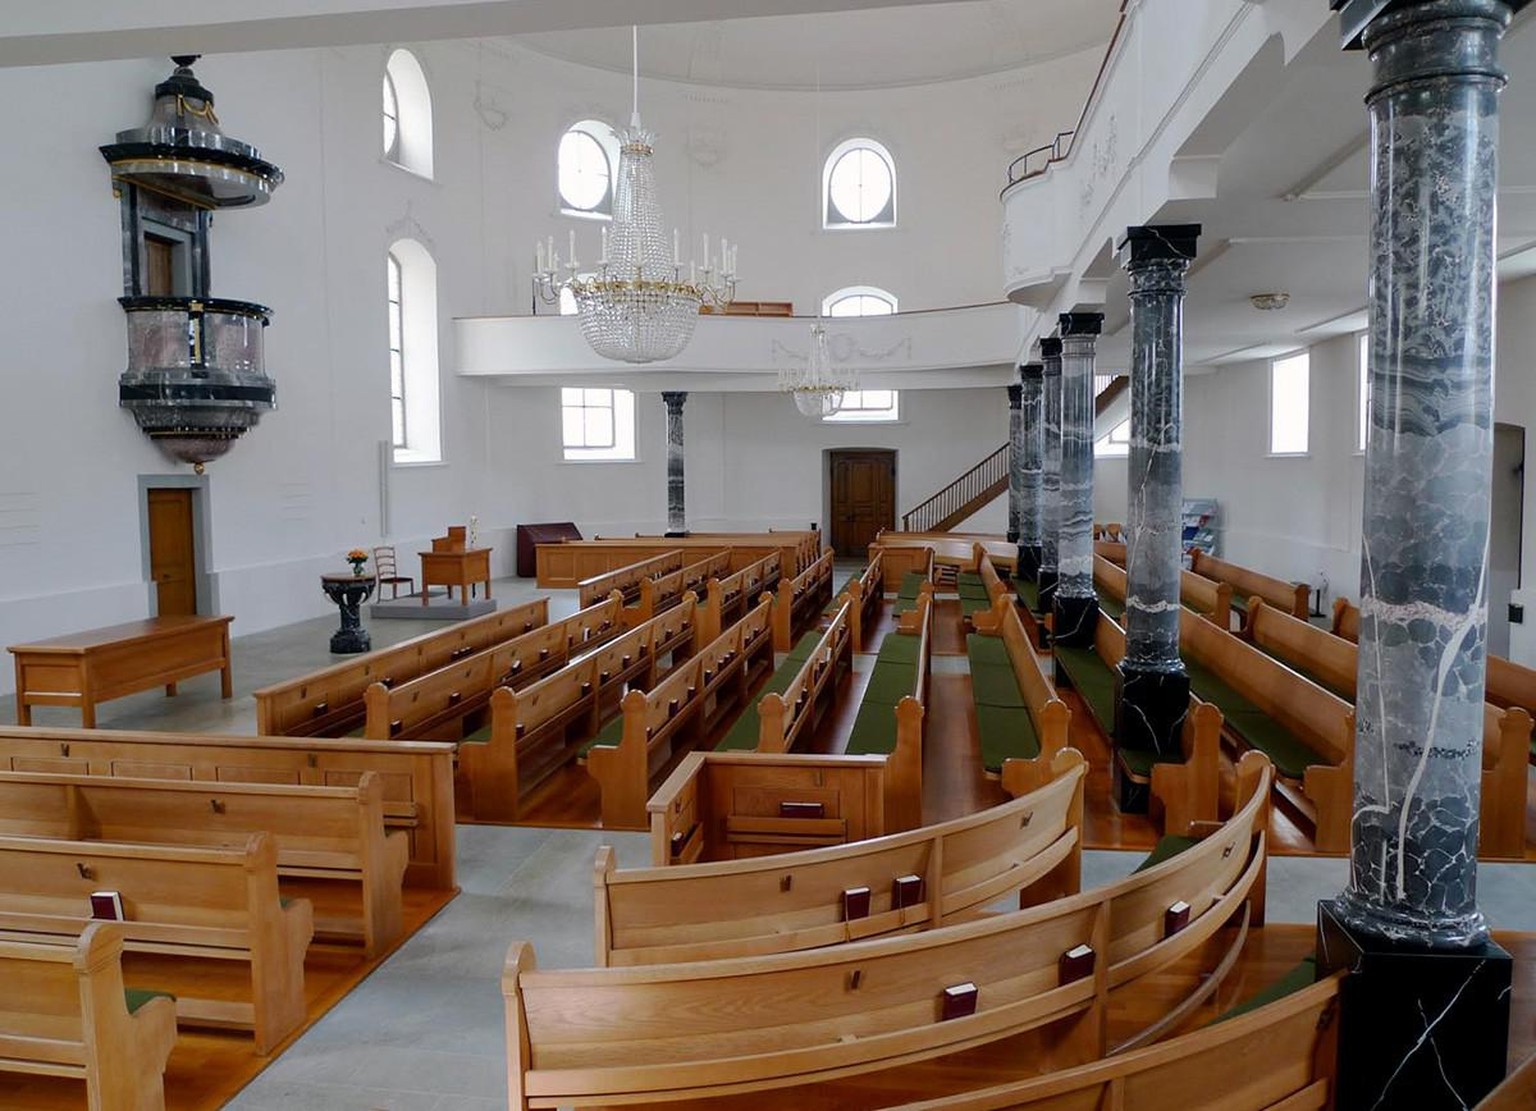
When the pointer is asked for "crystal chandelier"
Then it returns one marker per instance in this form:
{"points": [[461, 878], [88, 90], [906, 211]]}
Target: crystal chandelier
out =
{"points": [[636, 307], [818, 390]]}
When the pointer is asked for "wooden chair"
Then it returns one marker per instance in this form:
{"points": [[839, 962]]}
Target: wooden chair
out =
{"points": [[387, 572]]}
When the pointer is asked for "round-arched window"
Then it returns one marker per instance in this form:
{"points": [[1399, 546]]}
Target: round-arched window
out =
{"points": [[586, 163], [859, 186]]}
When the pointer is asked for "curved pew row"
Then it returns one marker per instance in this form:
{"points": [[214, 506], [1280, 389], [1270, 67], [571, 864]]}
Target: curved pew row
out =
{"points": [[763, 1031], [1278, 1057], [416, 776], [681, 708], [627, 579], [68, 1014], [927, 877], [538, 729], [439, 704], [329, 702], [1331, 662]]}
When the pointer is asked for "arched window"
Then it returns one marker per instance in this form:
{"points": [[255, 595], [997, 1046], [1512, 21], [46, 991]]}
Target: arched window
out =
{"points": [[407, 114], [587, 164], [858, 186], [411, 293], [859, 300]]}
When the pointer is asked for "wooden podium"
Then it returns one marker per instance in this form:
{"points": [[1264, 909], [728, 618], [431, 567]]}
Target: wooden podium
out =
{"points": [[451, 562]]}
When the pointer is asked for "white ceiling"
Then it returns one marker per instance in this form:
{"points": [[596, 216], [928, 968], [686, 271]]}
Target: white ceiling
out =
{"points": [[872, 49]]}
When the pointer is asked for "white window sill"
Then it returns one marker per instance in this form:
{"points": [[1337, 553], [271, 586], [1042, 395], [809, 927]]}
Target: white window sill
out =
{"points": [[579, 214], [1287, 454], [413, 464], [385, 160], [827, 422], [598, 462]]}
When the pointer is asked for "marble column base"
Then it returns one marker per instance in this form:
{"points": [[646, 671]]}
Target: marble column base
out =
{"points": [[1029, 563], [1013, 536], [1419, 1028], [1073, 620], [671, 535], [1150, 708], [1047, 580]]}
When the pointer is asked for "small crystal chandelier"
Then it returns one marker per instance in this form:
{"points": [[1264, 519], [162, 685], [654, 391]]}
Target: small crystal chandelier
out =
{"points": [[818, 389], [636, 307]]}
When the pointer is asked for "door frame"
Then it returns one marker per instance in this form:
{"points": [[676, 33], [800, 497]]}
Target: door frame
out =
{"points": [[204, 582], [828, 457]]}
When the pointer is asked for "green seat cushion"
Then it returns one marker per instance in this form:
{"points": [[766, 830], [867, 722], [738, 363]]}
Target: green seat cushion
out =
{"points": [[1302, 976], [1166, 849], [1092, 679], [966, 590], [832, 606], [874, 731], [1028, 592], [137, 997], [969, 606], [903, 605], [1112, 606], [986, 649], [481, 736], [742, 736], [995, 685], [804, 647], [357, 733], [607, 737], [1288, 752], [1137, 761], [969, 578], [1210, 687], [911, 584], [899, 648], [889, 682], [1004, 732]]}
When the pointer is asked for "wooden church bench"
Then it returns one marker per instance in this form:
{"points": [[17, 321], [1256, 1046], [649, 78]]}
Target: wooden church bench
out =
{"points": [[568, 563], [795, 901], [727, 599], [665, 591], [768, 1030], [798, 692], [1206, 597], [889, 721], [800, 601], [1112, 550], [898, 560], [1289, 597], [866, 590], [204, 923], [624, 756], [329, 702], [627, 579], [67, 1014], [1279, 1057], [330, 834], [1331, 662], [536, 730], [1018, 716], [436, 705], [417, 776], [732, 805]]}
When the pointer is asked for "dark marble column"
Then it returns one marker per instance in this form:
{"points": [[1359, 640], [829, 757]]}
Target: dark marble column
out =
{"points": [[1050, 466], [1154, 688], [1425, 1016], [677, 514], [1075, 607], [1015, 461], [1028, 446]]}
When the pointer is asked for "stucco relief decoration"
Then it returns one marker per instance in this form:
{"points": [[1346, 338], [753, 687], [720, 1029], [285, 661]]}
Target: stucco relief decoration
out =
{"points": [[1101, 161]]}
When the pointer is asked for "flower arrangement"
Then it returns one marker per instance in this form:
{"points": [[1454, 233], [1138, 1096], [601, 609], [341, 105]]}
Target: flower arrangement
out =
{"points": [[358, 559]]}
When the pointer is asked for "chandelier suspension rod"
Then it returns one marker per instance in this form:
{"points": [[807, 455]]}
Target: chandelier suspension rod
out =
{"points": [[634, 33]]}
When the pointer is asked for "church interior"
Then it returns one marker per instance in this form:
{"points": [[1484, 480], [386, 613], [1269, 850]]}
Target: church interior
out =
{"points": [[558, 609]]}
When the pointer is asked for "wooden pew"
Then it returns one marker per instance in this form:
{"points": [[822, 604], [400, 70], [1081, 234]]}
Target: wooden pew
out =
{"points": [[664, 591], [537, 729], [215, 909], [627, 579], [1210, 599], [767, 1031], [416, 776], [439, 704], [1332, 661], [927, 877], [898, 560], [1346, 620], [1279, 1057], [567, 563], [1018, 743], [800, 601], [866, 590], [891, 714], [740, 805], [657, 721], [66, 1014], [331, 834], [1289, 597], [329, 702], [1112, 550], [727, 598], [784, 717]]}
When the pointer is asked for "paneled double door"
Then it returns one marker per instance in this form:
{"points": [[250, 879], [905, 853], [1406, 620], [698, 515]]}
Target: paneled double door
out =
{"points": [[863, 487]]}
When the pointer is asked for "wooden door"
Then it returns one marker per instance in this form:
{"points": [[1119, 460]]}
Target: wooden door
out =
{"points": [[863, 498], [172, 555]]}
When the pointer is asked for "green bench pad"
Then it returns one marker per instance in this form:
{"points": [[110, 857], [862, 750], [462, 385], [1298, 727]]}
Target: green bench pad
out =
{"points": [[995, 685], [977, 591], [803, 649], [481, 736], [1138, 761], [1166, 849], [890, 682], [832, 607], [969, 606], [911, 585], [899, 647], [607, 737], [1005, 732], [1112, 606], [1304, 975], [986, 649], [874, 731], [742, 736], [1093, 679], [1286, 751], [137, 997], [1029, 593], [969, 578]]}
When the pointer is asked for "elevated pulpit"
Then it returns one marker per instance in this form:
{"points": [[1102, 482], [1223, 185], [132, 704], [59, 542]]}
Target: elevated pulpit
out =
{"points": [[452, 562]]}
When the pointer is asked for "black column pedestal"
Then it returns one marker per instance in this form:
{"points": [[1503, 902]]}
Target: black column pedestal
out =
{"points": [[1150, 708], [1029, 563], [1074, 620], [674, 535], [1420, 1029]]}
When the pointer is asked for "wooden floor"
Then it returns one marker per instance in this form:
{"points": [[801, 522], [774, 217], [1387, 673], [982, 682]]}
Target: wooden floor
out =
{"points": [[207, 1067]]}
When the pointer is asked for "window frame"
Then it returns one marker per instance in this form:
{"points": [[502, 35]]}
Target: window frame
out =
{"points": [[622, 416], [1363, 392], [602, 134], [412, 150], [849, 292], [1304, 357], [860, 414], [395, 299], [391, 118], [420, 354], [1108, 447], [832, 216]]}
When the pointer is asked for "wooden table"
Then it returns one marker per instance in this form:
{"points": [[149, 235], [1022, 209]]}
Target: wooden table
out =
{"points": [[452, 569], [83, 669]]}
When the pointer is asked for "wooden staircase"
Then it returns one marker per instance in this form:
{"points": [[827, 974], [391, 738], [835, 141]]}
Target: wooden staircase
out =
{"points": [[987, 480]]}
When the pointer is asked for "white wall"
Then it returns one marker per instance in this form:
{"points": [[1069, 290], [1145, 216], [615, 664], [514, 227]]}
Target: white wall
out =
{"points": [[306, 484], [1514, 402]]}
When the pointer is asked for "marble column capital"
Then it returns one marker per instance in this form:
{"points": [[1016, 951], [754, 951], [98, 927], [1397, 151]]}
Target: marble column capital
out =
{"points": [[1050, 348], [1146, 244], [1015, 396], [1031, 372], [674, 401], [1074, 324]]}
